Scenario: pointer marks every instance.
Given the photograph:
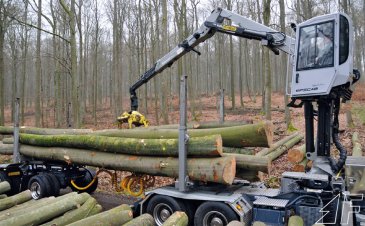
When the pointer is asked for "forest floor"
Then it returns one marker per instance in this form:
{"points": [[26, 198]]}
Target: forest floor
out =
{"points": [[207, 110]]}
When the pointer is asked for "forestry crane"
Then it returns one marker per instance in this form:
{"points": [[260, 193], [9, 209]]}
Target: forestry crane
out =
{"points": [[322, 77]]}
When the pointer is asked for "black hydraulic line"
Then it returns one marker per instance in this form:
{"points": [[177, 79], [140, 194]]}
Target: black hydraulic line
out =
{"points": [[309, 128]]}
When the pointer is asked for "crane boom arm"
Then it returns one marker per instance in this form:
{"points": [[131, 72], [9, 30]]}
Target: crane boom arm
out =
{"points": [[239, 26]]}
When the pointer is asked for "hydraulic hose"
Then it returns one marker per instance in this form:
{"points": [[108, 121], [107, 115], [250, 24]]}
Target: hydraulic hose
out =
{"points": [[337, 166]]}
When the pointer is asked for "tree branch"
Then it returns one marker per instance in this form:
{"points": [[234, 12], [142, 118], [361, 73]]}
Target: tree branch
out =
{"points": [[33, 26]]}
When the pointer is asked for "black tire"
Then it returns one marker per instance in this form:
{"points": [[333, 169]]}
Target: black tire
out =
{"points": [[161, 207], [85, 181], [214, 212], [55, 184], [39, 186]]}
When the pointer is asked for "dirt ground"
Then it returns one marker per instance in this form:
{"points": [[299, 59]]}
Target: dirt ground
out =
{"points": [[206, 110]]}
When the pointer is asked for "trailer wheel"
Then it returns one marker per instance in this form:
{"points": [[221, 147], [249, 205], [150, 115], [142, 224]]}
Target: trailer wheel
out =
{"points": [[86, 183], [39, 186], [162, 207], [55, 184], [214, 213]]}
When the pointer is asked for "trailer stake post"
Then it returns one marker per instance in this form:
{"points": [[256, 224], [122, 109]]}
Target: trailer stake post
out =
{"points": [[16, 153], [183, 137]]}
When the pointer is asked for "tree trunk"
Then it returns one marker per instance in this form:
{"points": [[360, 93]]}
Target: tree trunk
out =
{"points": [[45, 213], [236, 223], [251, 163], [177, 219], [280, 150], [219, 170], [75, 215], [143, 220], [116, 216], [281, 142], [4, 187], [8, 202], [252, 135], [208, 146]]}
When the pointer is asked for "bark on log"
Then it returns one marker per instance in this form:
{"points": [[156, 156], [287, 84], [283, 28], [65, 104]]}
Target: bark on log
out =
{"points": [[143, 220], [116, 216], [295, 221], [212, 125], [4, 187], [97, 209], [44, 131], [242, 151], [356, 146], [8, 140], [2, 196], [252, 135], [276, 145], [24, 207], [287, 145], [199, 146], [219, 170], [250, 175], [74, 215], [250, 162], [45, 213], [177, 219], [6, 149], [15, 200]]}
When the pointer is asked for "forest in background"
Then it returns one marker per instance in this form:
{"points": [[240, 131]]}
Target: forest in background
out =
{"points": [[65, 59]]}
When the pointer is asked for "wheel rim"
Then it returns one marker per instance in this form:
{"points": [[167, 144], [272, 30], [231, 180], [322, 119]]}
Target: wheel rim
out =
{"points": [[161, 212], [35, 190], [214, 218]]}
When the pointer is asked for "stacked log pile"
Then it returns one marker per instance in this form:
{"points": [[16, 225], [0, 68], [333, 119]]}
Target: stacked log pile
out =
{"points": [[215, 151], [297, 156], [70, 209]]}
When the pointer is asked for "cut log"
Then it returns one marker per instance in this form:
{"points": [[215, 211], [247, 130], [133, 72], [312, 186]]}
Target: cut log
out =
{"points": [[250, 175], [212, 125], [143, 220], [300, 167], [242, 151], [236, 223], [296, 155], [6, 149], [4, 187], [276, 145], [15, 200], [259, 223], [250, 162], [97, 209], [8, 140], [219, 170], [199, 146], [116, 216], [44, 131], [24, 207], [74, 215], [45, 213], [356, 146], [251, 135], [295, 221], [2, 196], [287, 145], [177, 219]]}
